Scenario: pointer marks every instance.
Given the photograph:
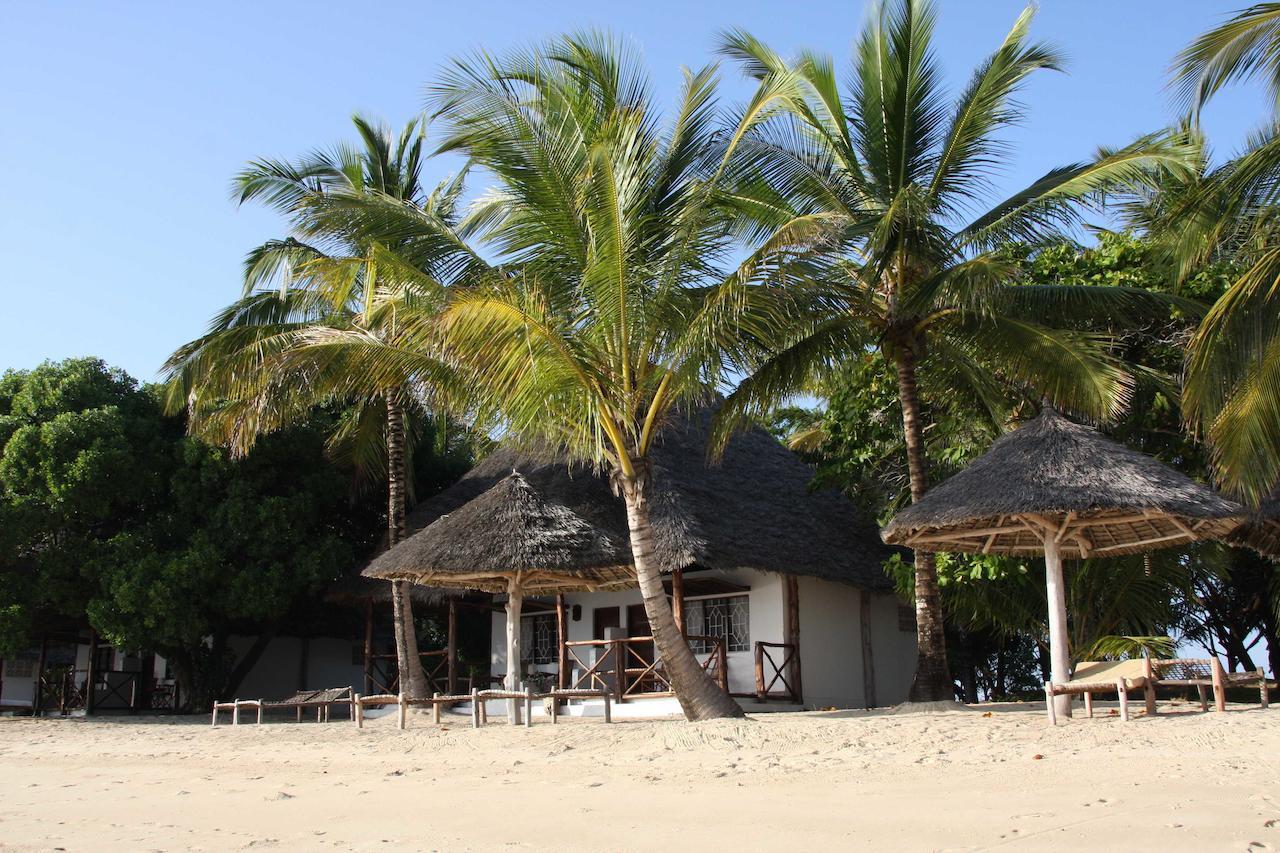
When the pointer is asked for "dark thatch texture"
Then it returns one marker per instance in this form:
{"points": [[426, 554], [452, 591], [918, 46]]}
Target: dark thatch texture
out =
{"points": [[1261, 531], [752, 510], [508, 531], [1063, 472]]}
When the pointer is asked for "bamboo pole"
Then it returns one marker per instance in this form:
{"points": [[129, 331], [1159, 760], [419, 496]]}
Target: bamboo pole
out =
{"points": [[868, 653], [368, 646], [514, 602], [1059, 655], [452, 647], [792, 630], [91, 673], [562, 653]]}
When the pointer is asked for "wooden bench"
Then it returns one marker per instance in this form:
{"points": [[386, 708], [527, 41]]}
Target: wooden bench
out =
{"points": [[1207, 674], [322, 700], [477, 698]]}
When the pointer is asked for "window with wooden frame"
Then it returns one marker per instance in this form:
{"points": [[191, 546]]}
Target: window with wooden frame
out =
{"points": [[726, 618], [539, 639]]}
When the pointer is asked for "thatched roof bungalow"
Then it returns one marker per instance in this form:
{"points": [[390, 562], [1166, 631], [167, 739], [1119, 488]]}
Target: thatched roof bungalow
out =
{"points": [[752, 552]]}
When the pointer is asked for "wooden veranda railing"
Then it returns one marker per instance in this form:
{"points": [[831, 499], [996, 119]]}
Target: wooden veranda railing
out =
{"points": [[629, 667], [384, 676], [772, 670], [65, 690]]}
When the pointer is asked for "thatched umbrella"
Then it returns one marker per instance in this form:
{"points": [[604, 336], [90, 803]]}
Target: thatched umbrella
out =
{"points": [[1261, 531], [1062, 489], [510, 539]]}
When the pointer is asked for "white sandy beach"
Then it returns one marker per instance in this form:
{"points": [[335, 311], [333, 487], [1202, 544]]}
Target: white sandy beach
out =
{"points": [[960, 781]]}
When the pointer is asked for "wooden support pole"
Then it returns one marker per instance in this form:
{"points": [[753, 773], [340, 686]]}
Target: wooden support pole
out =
{"points": [[36, 699], [1123, 693], [235, 712], [368, 646], [91, 674], [868, 654], [215, 713], [791, 628], [514, 602], [760, 694], [451, 647], [1219, 689], [1059, 653], [1149, 697], [401, 709], [435, 707], [562, 634], [260, 703], [528, 707], [1048, 703], [677, 599], [475, 708], [608, 714], [1088, 705], [1264, 696], [357, 711]]}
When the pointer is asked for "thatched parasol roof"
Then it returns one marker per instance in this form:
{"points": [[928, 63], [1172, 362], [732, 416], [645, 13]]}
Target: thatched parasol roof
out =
{"points": [[752, 510], [510, 530], [1103, 499], [1261, 531]]}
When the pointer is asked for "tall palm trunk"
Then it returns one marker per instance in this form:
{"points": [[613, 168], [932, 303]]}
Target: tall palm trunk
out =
{"points": [[932, 682], [413, 682], [699, 696]]}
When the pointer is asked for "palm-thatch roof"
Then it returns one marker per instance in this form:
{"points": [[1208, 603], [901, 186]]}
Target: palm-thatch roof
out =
{"points": [[1101, 497], [510, 530], [1261, 531], [752, 510]]}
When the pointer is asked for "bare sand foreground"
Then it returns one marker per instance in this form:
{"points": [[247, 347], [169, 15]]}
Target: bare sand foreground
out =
{"points": [[957, 781]]}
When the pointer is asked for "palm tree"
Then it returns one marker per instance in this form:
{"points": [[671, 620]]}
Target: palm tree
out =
{"points": [[1231, 393], [615, 299], [301, 334], [896, 170]]}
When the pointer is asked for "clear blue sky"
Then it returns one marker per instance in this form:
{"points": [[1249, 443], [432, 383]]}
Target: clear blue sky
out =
{"points": [[124, 122]]}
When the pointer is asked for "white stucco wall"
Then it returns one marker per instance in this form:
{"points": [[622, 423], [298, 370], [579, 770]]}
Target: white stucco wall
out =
{"points": [[830, 637]]}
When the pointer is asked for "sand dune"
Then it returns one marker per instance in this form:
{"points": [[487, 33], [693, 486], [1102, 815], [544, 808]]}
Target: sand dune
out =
{"points": [[959, 781]]}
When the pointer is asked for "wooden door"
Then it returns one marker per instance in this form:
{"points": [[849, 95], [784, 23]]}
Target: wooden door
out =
{"points": [[638, 626], [603, 618]]}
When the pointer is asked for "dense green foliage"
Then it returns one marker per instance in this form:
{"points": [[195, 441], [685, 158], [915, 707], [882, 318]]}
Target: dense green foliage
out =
{"points": [[111, 513]]}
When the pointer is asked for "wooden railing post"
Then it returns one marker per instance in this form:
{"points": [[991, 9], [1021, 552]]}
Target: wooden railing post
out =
{"points": [[92, 674], [562, 634], [620, 667], [722, 665], [792, 619], [760, 691], [452, 646]]}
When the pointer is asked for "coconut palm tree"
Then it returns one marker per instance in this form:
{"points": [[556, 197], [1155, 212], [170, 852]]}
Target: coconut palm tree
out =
{"points": [[901, 176], [1231, 393], [301, 334], [618, 294]]}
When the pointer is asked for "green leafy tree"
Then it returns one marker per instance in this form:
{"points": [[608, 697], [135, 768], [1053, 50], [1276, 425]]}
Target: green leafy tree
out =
{"points": [[893, 170]]}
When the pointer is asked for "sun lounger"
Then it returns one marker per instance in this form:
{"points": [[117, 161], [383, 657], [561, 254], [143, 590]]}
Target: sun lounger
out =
{"points": [[322, 700], [477, 698], [1206, 674], [1108, 676]]}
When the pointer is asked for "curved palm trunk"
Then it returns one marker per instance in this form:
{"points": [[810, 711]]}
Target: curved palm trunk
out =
{"points": [[413, 682], [699, 696], [932, 682]]}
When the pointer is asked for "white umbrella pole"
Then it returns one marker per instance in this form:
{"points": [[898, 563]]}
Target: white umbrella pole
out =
{"points": [[513, 649], [1059, 656]]}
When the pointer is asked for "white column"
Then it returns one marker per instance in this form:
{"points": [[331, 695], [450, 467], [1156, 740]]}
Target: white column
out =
{"points": [[1059, 655], [513, 648]]}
